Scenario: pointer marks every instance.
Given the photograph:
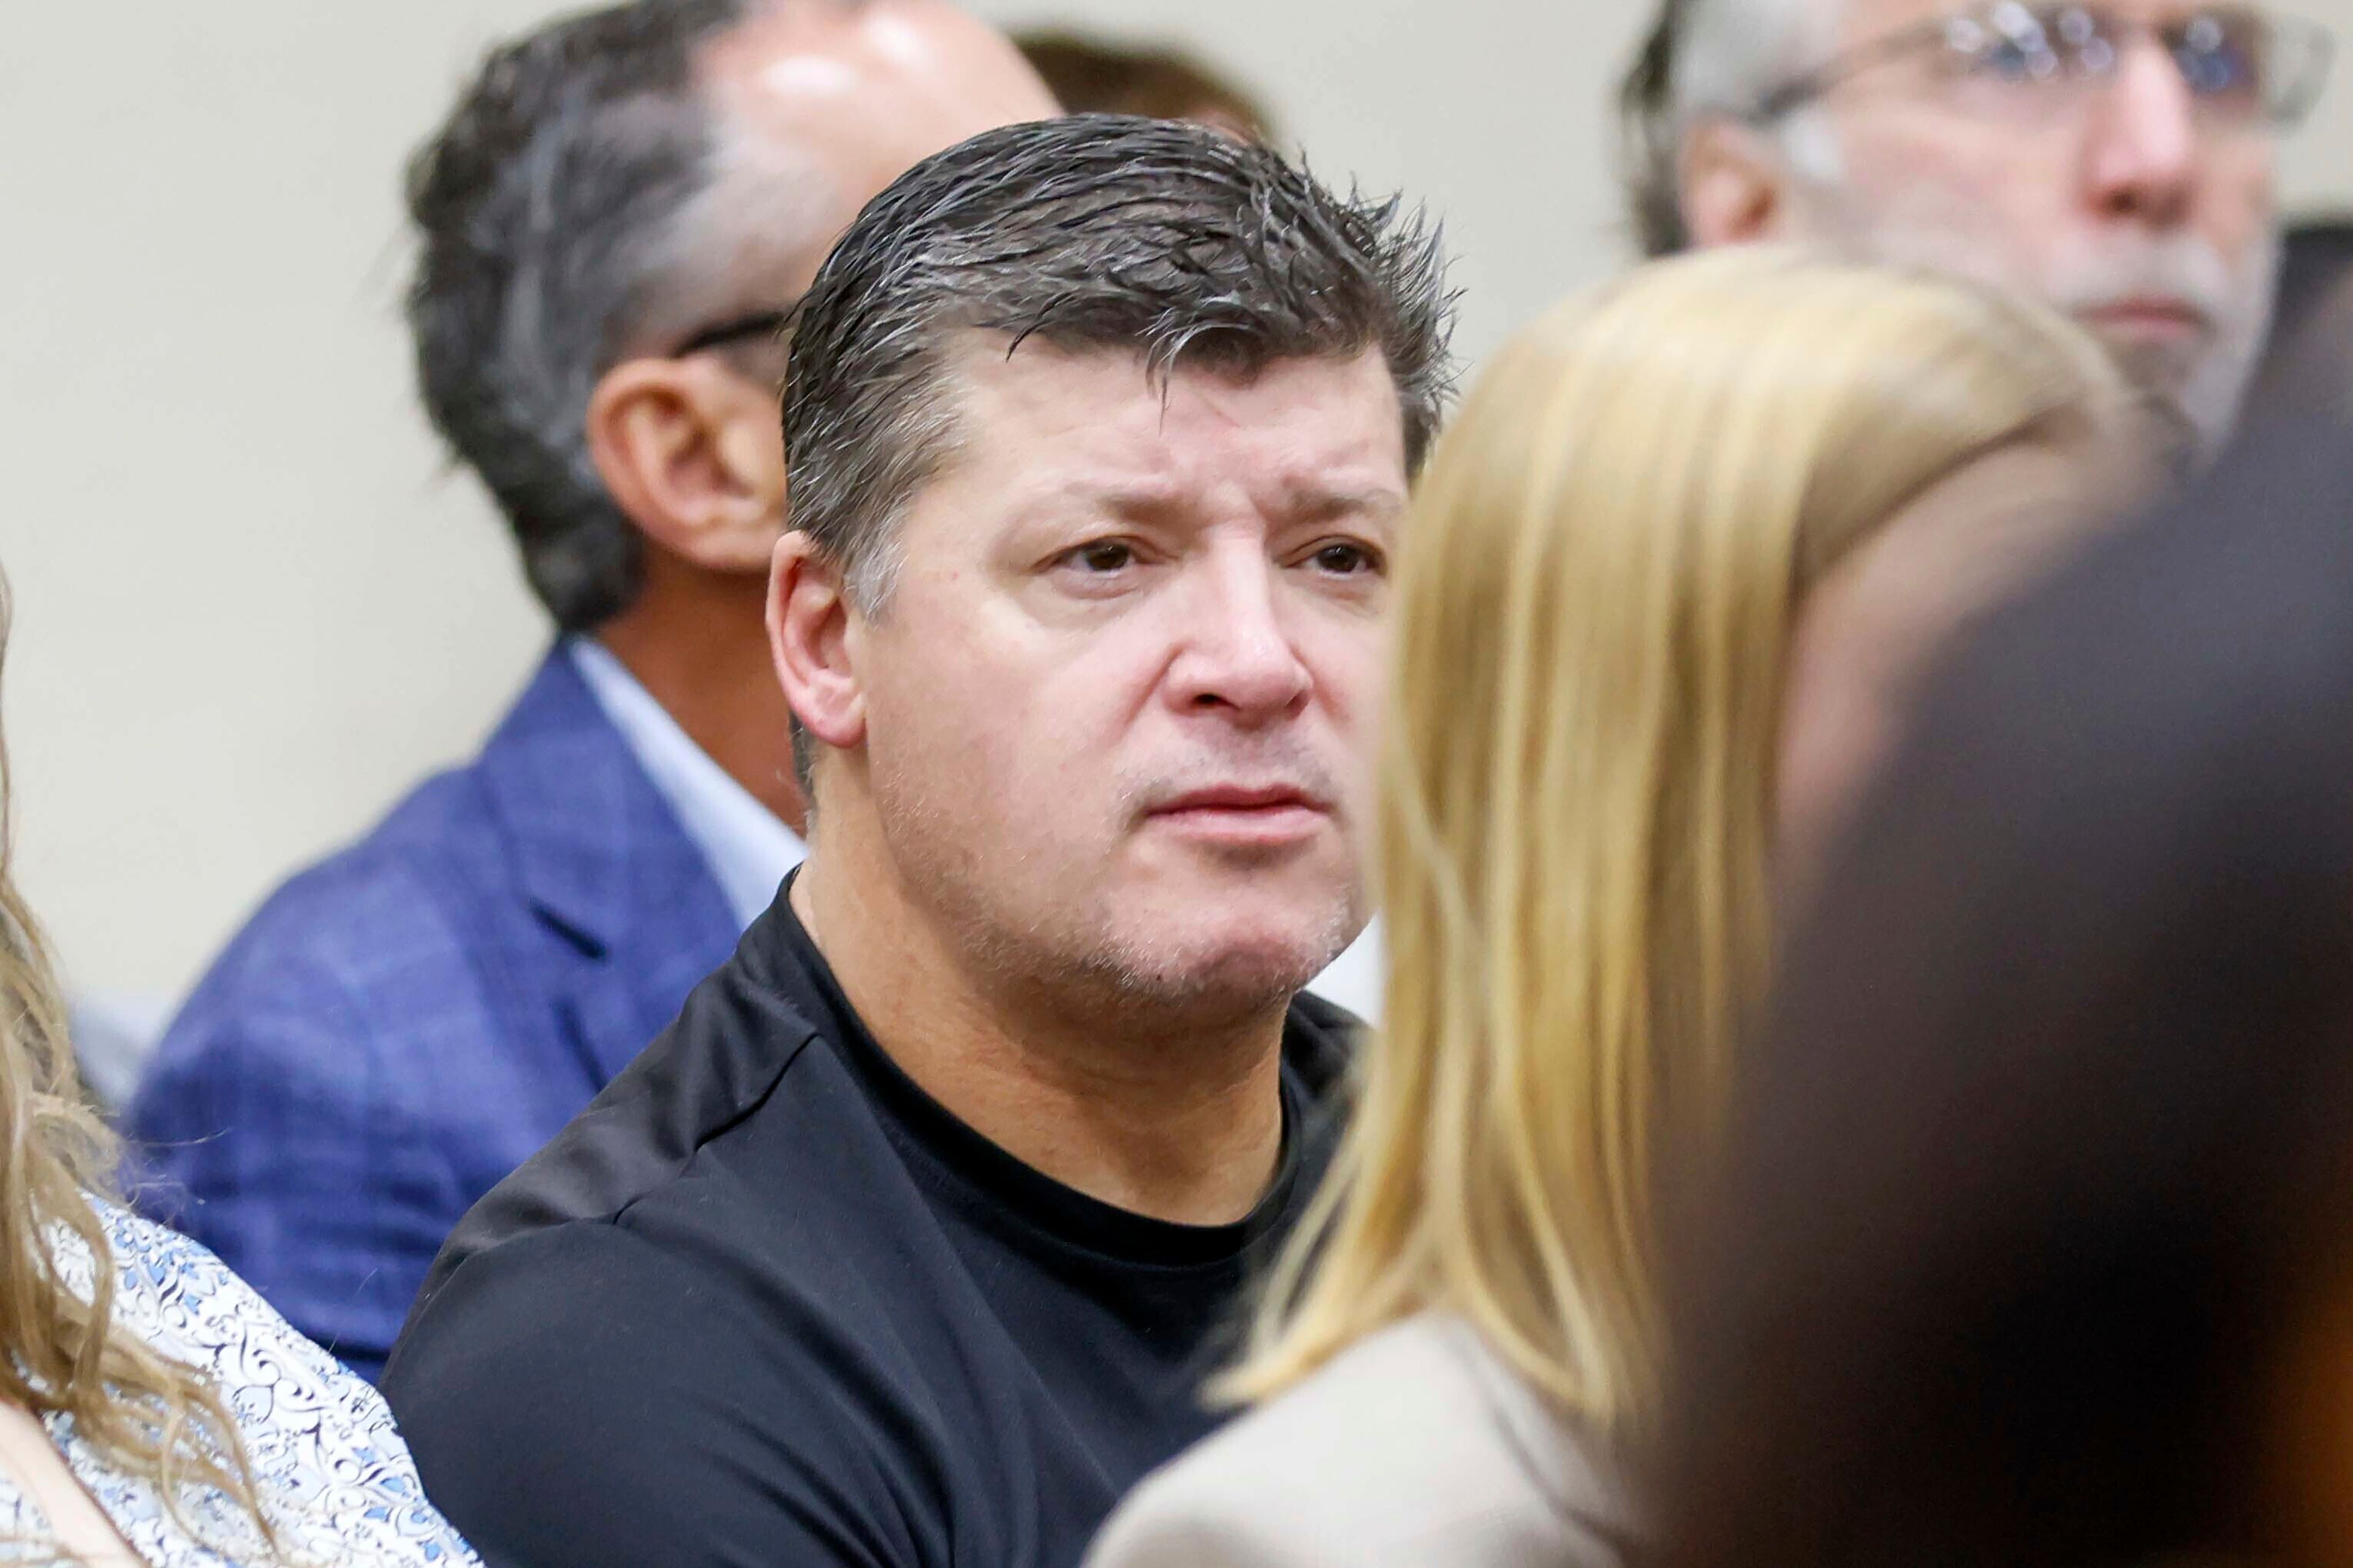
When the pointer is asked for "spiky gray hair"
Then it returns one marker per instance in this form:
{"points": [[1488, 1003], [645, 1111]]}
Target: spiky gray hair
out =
{"points": [[1174, 243]]}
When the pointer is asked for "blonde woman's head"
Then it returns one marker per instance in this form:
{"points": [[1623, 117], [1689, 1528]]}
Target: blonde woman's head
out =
{"points": [[1598, 600]]}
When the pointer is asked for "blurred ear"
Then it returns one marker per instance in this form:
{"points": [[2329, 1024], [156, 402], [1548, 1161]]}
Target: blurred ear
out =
{"points": [[1734, 184], [694, 451], [810, 636]]}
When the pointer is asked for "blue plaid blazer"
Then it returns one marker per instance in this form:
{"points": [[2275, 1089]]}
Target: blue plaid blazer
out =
{"points": [[404, 1023]]}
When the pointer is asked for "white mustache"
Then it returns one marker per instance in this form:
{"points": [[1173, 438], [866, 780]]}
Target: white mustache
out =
{"points": [[2176, 268]]}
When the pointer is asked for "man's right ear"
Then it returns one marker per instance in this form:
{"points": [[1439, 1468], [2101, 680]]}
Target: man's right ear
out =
{"points": [[812, 635], [1734, 184]]}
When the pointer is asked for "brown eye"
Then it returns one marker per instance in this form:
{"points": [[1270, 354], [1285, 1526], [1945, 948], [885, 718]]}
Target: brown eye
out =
{"points": [[1345, 560], [1103, 555]]}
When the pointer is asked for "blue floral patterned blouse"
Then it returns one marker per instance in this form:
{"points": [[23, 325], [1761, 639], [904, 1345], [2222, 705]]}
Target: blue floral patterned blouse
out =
{"points": [[331, 1469]]}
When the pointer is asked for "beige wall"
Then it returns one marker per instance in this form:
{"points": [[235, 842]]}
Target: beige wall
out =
{"points": [[250, 609]]}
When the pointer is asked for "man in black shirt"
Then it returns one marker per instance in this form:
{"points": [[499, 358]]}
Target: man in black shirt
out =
{"points": [[912, 1240]]}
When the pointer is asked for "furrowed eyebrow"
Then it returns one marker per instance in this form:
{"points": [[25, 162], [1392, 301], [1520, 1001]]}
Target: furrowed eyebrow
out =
{"points": [[1147, 503], [1378, 503], [1133, 500]]}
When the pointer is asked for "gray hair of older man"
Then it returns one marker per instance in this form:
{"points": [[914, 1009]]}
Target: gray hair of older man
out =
{"points": [[1166, 241], [1700, 57], [562, 217]]}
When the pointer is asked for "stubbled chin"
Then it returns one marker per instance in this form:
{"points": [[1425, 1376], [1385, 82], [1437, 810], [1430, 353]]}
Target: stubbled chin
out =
{"points": [[1246, 967]]}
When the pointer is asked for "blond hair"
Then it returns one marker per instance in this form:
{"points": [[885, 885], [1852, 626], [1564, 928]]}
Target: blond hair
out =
{"points": [[1595, 599], [149, 1417]]}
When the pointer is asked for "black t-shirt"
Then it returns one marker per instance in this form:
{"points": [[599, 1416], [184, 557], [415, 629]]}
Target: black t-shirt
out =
{"points": [[766, 1302]]}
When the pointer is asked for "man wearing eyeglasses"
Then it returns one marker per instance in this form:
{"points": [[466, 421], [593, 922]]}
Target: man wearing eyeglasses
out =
{"points": [[613, 226], [2114, 160]]}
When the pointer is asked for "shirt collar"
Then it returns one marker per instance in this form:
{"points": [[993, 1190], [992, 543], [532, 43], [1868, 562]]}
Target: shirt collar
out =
{"points": [[747, 849]]}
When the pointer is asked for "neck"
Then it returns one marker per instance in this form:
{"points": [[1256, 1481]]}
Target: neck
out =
{"points": [[696, 641], [1174, 1122]]}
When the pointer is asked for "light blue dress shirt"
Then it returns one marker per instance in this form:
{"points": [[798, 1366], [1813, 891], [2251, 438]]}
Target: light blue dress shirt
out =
{"points": [[748, 848]]}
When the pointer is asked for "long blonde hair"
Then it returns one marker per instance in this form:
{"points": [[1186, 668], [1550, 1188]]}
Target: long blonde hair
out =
{"points": [[148, 1416], [1595, 599]]}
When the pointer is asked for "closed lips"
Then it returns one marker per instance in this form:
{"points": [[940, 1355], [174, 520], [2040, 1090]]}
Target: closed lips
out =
{"points": [[1239, 799]]}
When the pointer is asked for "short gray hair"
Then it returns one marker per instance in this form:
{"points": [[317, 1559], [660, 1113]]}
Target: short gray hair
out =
{"points": [[1169, 241], [1701, 57], [553, 210]]}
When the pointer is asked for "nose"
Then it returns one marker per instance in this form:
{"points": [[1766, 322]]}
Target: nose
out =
{"points": [[2144, 151], [1235, 657]]}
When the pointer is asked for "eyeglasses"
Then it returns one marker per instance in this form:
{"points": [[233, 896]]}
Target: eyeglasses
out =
{"points": [[2242, 66], [735, 329]]}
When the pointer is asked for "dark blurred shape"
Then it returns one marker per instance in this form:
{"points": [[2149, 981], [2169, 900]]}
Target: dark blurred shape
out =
{"points": [[1093, 75], [2310, 355], [2035, 1240], [2316, 260]]}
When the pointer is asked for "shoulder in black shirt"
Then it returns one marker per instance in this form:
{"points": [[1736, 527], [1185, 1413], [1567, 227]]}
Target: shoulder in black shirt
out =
{"points": [[766, 1302]]}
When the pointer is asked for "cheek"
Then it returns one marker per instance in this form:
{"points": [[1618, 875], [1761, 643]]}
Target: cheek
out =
{"points": [[988, 719], [1350, 661], [1846, 660], [911, 734], [2241, 195], [1833, 734], [938, 697], [1977, 187], [1349, 657]]}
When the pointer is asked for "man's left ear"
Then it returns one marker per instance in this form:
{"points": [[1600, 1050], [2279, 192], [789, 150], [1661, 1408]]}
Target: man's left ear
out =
{"points": [[694, 451], [1732, 185]]}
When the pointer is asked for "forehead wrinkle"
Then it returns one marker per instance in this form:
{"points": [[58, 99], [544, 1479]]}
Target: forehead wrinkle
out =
{"points": [[1319, 500], [1142, 444]]}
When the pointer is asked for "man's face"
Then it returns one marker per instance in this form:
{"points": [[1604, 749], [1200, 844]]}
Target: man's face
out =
{"points": [[1114, 703], [2145, 216]]}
